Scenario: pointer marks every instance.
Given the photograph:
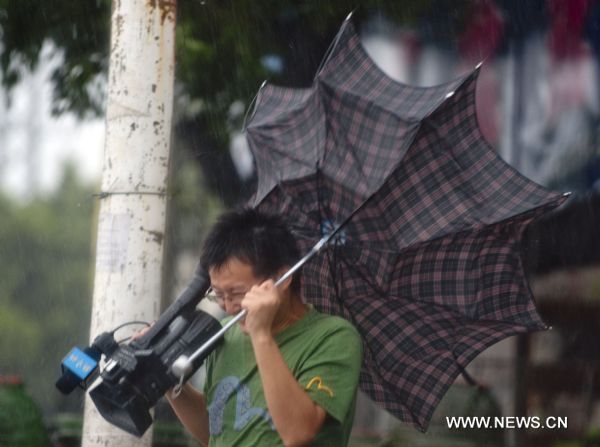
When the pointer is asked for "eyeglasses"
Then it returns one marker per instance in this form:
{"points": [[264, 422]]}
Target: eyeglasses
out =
{"points": [[227, 297]]}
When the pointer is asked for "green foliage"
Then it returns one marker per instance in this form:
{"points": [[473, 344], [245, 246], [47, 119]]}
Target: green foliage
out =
{"points": [[222, 49], [21, 421], [219, 44], [45, 286], [18, 329], [79, 30], [192, 210]]}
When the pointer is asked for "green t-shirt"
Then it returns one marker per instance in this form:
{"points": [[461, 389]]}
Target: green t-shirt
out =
{"points": [[324, 354]]}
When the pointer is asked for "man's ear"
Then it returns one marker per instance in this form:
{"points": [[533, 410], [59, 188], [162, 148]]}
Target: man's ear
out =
{"points": [[282, 271]]}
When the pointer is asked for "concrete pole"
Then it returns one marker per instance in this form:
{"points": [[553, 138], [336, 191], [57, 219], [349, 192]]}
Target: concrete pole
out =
{"points": [[133, 200]]}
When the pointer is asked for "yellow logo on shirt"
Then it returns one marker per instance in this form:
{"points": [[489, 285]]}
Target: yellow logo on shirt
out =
{"points": [[320, 386]]}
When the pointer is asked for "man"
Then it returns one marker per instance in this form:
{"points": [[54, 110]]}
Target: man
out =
{"points": [[285, 375]]}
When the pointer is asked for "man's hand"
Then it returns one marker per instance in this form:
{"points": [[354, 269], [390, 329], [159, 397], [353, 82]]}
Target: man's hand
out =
{"points": [[142, 331], [262, 303], [189, 405]]}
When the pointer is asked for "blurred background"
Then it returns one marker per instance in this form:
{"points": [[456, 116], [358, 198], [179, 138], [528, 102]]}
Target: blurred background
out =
{"points": [[538, 105]]}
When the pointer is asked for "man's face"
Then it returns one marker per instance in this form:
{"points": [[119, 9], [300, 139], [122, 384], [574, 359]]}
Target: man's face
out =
{"points": [[230, 283]]}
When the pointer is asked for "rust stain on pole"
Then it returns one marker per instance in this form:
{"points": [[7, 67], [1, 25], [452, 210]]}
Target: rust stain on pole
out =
{"points": [[167, 8]]}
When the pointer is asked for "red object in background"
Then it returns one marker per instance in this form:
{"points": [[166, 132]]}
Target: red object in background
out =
{"points": [[479, 42], [483, 32], [11, 380], [567, 20]]}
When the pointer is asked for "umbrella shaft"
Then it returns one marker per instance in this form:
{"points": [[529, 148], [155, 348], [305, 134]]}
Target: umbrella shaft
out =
{"points": [[313, 251], [212, 340]]}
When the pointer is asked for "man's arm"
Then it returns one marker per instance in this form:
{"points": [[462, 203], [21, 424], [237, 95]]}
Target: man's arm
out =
{"points": [[190, 408], [295, 415]]}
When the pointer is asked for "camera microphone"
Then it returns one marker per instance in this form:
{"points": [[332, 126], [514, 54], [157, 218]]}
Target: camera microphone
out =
{"points": [[77, 368]]}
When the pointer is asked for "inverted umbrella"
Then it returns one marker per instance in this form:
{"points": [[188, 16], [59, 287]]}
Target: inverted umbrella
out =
{"points": [[427, 264]]}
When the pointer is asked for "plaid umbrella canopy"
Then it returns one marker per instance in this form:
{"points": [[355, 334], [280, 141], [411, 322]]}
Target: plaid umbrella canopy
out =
{"points": [[428, 265]]}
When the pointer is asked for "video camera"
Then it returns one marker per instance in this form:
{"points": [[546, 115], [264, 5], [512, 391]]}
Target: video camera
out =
{"points": [[138, 374]]}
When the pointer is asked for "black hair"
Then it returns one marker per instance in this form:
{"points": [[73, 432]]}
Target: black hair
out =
{"points": [[261, 240]]}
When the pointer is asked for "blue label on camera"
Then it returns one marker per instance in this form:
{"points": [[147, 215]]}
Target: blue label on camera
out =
{"points": [[79, 363]]}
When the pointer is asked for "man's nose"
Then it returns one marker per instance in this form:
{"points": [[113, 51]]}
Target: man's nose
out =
{"points": [[232, 307]]}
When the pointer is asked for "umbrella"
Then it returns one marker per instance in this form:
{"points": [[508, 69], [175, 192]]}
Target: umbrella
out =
{"points": [[427, 265]]}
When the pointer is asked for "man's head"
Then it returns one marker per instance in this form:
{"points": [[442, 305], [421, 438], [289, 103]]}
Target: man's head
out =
{"points": [[261, 241]]}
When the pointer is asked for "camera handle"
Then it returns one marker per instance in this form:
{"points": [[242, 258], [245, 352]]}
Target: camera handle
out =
{"points": [[182, 367]]}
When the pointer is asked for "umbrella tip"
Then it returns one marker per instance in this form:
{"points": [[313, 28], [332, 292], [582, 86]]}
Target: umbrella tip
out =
{"points": [[449, 94], [349, 16], [479, 65], [263, 84], [567, 194]]}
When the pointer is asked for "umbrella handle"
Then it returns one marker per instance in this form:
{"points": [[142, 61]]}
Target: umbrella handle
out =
{"points": [[182, 367]]}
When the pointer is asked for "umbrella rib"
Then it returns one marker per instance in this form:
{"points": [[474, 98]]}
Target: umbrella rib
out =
{"points": [[409, 142], [333, 269], [291, 157], [409, 120], [373, 286], [347, 309], [556, 201], [333, 44], [253, 106], [320, 201], [300, 211]]}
